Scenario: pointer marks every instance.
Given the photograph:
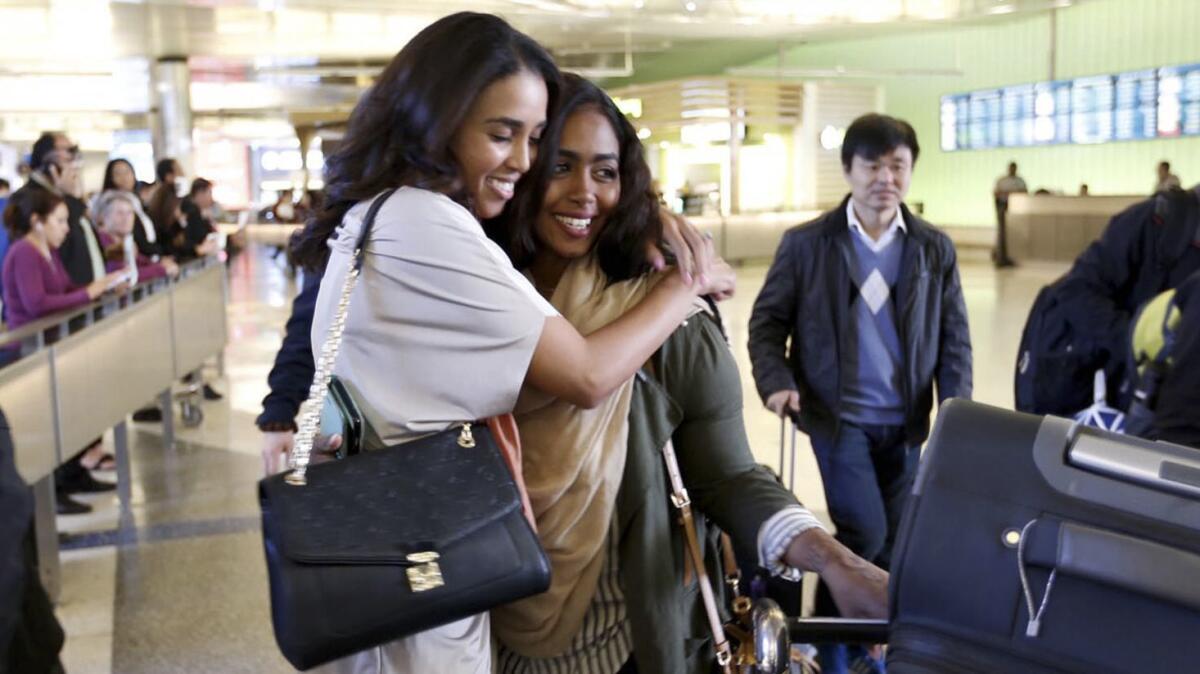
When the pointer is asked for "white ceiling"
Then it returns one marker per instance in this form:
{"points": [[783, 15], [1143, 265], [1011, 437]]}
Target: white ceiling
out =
{"points": [[83, 64], [86, 35]]}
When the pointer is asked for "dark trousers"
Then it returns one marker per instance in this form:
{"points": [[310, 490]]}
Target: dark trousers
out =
{"points": [[868, 473], [1000, 251]]}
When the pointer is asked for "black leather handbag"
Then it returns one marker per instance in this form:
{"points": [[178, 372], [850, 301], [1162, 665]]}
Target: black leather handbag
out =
{"points": [[388, 543]]}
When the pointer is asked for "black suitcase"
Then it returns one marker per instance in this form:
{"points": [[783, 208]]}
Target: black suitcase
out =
{"points": [[1035, 545]]}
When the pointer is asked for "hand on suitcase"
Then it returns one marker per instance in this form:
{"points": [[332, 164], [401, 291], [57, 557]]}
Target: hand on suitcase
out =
{"points": [[784, 402], [859, 588]]}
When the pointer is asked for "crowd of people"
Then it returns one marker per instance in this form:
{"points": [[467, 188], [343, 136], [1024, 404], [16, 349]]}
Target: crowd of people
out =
{"points": [[61, 251], [520, 267]]}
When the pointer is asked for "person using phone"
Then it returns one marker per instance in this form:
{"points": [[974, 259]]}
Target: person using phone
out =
{"points": [[56, 168]]}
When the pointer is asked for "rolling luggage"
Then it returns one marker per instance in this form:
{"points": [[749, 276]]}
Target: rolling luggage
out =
{"points": [[1032, 544]]}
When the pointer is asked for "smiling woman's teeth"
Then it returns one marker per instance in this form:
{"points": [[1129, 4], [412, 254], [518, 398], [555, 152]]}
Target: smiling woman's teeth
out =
{"points": [[502, 186], [574, 223]]}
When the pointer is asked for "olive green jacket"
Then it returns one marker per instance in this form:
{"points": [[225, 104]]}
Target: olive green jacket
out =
{"points": [[693, 395]]}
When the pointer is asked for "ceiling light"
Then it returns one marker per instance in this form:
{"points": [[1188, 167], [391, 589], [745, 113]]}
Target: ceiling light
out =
{"points": [[831, 137], [690, 6], [1002, 9], [644, 133]]}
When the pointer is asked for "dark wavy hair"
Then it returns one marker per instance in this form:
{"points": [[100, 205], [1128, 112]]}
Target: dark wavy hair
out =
{"points": [[108, 175], [620, 248], [23, 205], [162, 210], [400, 132]]}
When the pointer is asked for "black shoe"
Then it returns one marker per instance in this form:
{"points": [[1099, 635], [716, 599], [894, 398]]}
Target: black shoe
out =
{"points": [[148, 414], [84, 483], [65, 505], [1005, 264], [211, 394]]}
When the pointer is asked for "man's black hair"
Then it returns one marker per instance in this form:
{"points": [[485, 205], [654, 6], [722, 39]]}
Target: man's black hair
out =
{"points": [[42, 148], [873, 135]]}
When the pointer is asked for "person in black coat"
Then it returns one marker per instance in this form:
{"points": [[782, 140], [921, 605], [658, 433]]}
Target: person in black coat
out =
{"points": [[1177, 418], [30, 636], [196, 225], [290, 377], [1149, 247]]}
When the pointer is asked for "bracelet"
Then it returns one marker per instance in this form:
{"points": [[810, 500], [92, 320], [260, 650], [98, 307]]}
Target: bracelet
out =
{"points": [[278, 427]]}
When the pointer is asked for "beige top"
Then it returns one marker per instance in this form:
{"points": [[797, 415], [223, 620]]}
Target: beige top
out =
{"points": [[440, 327]]}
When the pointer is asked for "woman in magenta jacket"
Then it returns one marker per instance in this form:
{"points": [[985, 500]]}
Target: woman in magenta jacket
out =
{"points": [[35, 281]]}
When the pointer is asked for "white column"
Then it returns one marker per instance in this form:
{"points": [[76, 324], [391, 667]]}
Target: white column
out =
{"points": [[170, 96]]}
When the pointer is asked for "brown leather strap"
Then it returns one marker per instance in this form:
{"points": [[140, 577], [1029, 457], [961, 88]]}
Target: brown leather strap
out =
{"points": [[680, 499], [733, 573]]}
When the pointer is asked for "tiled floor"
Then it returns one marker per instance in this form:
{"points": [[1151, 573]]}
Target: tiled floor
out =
{"points": [[181, 585]]}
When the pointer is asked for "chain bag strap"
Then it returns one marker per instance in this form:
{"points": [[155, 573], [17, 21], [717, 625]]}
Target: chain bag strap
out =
{"points": [[310, 412], [393, 542]]}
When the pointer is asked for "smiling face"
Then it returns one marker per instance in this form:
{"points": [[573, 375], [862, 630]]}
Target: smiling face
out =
{"points": [[498, 140], [584, 187]]}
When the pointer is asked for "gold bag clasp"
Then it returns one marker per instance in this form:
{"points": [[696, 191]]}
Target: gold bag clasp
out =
{"points": [[465, 437], [425, 574]]}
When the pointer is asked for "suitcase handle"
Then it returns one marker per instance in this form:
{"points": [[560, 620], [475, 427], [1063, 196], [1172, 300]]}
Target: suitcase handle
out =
{"points": [[1157, 465], [837, 630], [1156, 480]]}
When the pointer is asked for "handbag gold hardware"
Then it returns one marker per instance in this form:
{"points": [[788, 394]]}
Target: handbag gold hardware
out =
{"points": [[426, 575], [465, 439]]}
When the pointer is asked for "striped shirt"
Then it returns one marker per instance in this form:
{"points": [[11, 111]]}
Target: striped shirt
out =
{"points": [[605, 640]]}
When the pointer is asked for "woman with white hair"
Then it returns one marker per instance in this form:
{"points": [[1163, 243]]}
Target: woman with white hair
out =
{"points": [[115, 213]]}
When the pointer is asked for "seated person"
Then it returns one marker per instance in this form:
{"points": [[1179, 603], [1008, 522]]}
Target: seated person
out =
{"points": [[620, 599], [116, 215]]}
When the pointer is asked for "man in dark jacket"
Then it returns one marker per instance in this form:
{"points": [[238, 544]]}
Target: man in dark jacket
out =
{"points": [[55, 168], [869, 296]]}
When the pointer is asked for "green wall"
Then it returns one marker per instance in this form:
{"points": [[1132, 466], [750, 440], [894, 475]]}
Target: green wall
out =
{"points": [[1093, 37]]}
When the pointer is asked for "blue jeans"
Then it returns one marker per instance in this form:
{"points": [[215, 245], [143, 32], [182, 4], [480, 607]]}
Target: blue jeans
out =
{"points": [[868, 473]]}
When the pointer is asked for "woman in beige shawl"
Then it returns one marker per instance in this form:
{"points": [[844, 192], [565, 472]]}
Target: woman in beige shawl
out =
{"points": [[440, 328], [594, 476]]}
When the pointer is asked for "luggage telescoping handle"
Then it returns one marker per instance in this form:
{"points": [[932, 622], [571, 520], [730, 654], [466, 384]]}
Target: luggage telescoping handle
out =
{"points": [[790, 479], [837, 630]]}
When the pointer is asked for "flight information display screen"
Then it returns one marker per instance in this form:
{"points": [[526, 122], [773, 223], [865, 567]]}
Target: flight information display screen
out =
{"points": [[1137, 105]]}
